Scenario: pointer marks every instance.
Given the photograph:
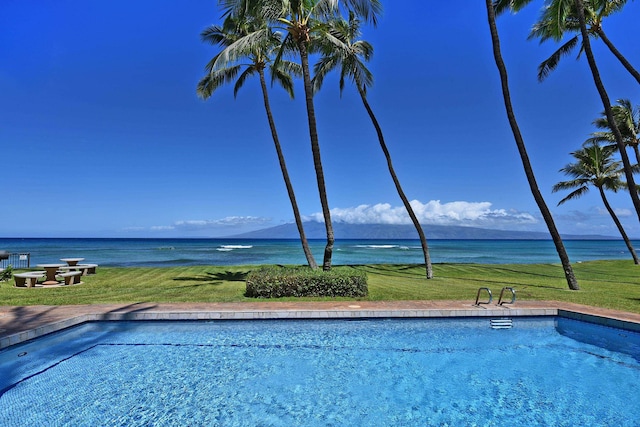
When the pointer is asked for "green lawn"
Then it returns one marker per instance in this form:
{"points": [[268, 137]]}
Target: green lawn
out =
{"points": [[610, 284]]}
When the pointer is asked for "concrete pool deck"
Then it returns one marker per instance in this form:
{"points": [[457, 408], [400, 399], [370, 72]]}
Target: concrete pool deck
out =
{"points": [[22, 323]]}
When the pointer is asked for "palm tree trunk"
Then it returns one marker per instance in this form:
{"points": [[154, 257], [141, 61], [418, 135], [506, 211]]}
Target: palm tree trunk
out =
{"points": [[637, 152], [619, 225], [285, 173], [544, 210], [396, 181], [628, 171], [317, 162], [626, 64]]}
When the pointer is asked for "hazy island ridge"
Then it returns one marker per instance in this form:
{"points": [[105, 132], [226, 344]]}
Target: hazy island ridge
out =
{"points": [[316, 230]]}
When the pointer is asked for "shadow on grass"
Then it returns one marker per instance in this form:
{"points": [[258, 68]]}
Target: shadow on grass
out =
{"points": [[393, 270], [526, 273], [605, 277], [506, 282], [216, 278]]}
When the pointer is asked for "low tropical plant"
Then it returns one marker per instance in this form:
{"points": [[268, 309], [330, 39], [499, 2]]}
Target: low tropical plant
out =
{"points": [[279, 282], [6, 274]]}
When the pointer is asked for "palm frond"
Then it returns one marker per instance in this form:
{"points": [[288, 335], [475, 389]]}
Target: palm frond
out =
{"points": [[266, 9], [214, 35], [559, 12], [212, 81], [608, 7], [600, 138], [601, 123], [244, 46], [363, 49], [627, 119], [243, 77], [594, 166], [290, 67], [548, 65], [324, 65], [573, 195], [287, 45], [369, 10], [340, 48], [324, 10], [501, 6], [283, 78]]}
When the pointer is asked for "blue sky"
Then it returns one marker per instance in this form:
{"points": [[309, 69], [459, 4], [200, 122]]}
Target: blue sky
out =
{"points": [[102, 134]]}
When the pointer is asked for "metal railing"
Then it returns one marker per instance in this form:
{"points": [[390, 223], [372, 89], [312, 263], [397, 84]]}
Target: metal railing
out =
{"points": [[488, 291], [513, 296], [20, 260]]}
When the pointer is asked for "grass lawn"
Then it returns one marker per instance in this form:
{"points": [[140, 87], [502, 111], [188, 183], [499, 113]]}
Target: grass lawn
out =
{"points": [[610, 284]]}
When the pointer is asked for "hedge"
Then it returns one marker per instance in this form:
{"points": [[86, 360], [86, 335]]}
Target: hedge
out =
{"points": [[278, 282]]}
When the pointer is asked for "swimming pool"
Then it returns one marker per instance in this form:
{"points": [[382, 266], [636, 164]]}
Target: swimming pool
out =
{"points": [[444, 372]]}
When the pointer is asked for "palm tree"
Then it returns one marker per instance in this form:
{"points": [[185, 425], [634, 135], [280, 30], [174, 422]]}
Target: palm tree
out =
{"points": [[305, 24], [344, 50], [628, 120], [549, 27], [533, 185], [562, 11], [628, 169], [259, 59], [595, 166]]}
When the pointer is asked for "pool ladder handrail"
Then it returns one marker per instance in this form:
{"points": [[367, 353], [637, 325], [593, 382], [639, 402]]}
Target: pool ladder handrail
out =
{"points": [[478, 297], [513, 295]]}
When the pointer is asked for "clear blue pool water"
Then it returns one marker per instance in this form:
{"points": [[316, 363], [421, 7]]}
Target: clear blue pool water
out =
{"points": [[544, 371]]}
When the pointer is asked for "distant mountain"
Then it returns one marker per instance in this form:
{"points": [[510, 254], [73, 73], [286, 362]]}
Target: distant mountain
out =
{"points": [[315, 230]]}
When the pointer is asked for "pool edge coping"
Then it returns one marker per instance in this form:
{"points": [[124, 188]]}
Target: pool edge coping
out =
{"points": [[577, 313]]}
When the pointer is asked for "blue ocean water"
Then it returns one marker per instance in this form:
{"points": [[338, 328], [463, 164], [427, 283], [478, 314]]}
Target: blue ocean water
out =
{"points": [[436, 372], [174, 252]]}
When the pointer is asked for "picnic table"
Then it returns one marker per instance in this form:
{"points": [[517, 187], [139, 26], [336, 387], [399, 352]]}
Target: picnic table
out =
{"points": [[51, 270], [72, 261]]}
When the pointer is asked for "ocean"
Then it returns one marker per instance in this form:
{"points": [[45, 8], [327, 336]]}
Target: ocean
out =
{"points": [[176, 252]]}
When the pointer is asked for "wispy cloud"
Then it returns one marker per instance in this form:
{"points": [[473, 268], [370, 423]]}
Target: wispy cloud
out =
{"points": [[597, 220], [620, 212], [476, 214], [207, 227], [162, 227], [230, 221]]}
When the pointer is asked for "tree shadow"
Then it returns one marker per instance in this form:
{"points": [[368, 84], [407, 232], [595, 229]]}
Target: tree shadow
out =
{"points": [[392, 270], [216, 278]]}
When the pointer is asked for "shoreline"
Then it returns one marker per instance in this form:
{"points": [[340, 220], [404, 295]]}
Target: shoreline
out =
{"points": [[151, 252]]}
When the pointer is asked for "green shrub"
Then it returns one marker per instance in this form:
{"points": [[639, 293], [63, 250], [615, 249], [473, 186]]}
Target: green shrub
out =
{"points": [[278, 282], [6, 274]]}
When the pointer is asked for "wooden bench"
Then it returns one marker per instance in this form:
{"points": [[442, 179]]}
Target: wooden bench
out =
{"points": [[70, 277], [28, 279]]}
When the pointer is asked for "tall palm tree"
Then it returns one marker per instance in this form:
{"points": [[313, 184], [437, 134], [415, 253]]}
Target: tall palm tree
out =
{"points": [[305, 24], [628, 120], [259, 58], [604, 96], [344, 50], [549, 27], [563, 10], [533, 185], [595, 166]]}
